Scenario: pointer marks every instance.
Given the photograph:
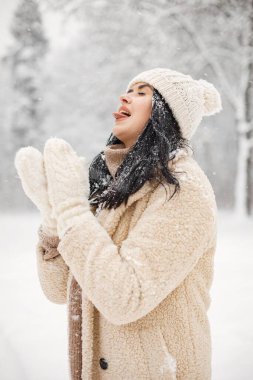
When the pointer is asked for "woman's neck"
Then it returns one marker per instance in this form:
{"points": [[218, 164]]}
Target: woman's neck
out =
{"points": [[114, 155]]}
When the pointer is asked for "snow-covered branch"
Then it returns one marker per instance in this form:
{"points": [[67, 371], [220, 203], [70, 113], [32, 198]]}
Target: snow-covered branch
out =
{"points": [[208, 57]]}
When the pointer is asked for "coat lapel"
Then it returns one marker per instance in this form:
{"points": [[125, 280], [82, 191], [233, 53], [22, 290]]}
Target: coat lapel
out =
{"points": [[111, 218]]}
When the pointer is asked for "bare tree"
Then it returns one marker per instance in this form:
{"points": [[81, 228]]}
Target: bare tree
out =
{"points": [[225, 43]]}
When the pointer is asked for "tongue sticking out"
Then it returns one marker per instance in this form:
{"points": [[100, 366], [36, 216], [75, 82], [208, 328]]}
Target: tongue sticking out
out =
{"points": [[118, 115]]}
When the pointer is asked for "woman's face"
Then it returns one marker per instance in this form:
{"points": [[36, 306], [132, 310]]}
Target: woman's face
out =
{"points": [[137, 102]]}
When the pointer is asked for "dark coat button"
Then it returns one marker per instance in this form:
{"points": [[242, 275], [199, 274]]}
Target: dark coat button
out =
{"points": [[103, 363]]}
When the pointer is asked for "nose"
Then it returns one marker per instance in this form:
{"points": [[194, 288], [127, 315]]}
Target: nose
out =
{"points": [[125, 98]]}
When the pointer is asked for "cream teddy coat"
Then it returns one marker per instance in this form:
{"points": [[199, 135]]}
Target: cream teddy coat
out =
{"points": [[145, 270]]}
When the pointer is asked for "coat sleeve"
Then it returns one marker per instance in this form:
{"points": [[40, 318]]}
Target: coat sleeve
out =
{"points": [[125, 283], [52, 269]]}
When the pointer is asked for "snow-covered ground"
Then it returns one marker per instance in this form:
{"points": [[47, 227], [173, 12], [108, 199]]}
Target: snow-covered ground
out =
{"points": [[33, 331]]}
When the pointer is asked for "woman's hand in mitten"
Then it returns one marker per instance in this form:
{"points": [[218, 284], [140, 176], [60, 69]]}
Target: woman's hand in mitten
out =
{"points": [[68, 183], [30, 167]]}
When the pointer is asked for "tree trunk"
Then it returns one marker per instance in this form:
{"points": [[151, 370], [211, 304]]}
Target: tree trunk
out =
{"points": [[242, 170], [249, 117], [244, 117]]}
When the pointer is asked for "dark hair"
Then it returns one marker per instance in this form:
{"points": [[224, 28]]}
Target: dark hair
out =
{"points": [[146, 159]]}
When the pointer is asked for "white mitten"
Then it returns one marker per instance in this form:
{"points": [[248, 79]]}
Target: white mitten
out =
{"points": [[68, 183], [30, 167]]}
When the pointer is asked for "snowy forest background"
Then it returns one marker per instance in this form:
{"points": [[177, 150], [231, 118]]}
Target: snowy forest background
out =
{"points": [[69, 60], [63, 65]]}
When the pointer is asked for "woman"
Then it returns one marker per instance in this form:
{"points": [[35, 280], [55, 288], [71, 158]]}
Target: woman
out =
{"points": [[132, 253]]}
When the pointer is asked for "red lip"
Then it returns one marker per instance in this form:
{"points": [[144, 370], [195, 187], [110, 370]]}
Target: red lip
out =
{"points": [[124, 108]]}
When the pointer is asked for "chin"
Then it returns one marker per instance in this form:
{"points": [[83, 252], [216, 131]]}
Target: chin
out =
{"points": [[117, 129]]}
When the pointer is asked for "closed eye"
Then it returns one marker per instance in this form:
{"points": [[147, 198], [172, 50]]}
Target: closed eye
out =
{"points": [[142, 93]]}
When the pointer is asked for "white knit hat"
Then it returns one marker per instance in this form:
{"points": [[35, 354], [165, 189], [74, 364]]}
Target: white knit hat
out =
{"points": [[188, 99]]}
